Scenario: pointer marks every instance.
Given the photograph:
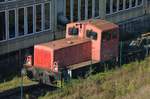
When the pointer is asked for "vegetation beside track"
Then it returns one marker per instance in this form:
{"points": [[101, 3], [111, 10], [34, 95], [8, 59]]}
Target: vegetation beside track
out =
{"points": [[132, 81], [15, 82]]}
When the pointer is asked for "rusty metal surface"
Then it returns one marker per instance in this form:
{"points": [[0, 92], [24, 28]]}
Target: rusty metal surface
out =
{"points": [[73, 54]]}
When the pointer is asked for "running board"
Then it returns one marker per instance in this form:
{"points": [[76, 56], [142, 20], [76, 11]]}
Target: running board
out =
{"points": [[82, 64]]}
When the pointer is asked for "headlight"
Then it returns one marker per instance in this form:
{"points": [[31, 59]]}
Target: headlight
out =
{"points": [[55, 67]]}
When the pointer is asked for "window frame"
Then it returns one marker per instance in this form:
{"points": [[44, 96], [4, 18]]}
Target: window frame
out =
{"points": [[36, 17], [97, 7], [25, 11], [27, 18], [18, 21], [90, 34], [105, 35], [70, 31], [86, 9], [124, 7], [16, 24], [120, 6], [114, 35], [6, 1], [6, 26], [50, 18]]}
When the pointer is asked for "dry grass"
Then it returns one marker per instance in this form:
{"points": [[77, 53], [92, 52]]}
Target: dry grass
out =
{"points": [[16, 82], [132, 81], [142, 93]]}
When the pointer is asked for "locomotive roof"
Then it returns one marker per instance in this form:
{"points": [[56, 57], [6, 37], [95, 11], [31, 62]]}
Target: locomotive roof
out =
{"points": [[101, 24], [58, 44]]}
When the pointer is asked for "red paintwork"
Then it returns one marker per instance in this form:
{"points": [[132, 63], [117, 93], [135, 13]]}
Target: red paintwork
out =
{"points": [[100, 52], [73, 54], [42, 57], [65, 52], [76, 49], [110, 49]]}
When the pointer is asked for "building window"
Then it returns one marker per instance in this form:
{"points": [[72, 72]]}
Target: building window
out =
{"points": [[2, 26], [114, 35], [89, 8], [24, 20], [11, 0], [38, 18], [82, 9], [106, 36], [120, 4], [139, 2], [68, 9], [2, 1], [30, 19], [107, 6], [11, 23], [114, 5], [127, 3], [75, 16], [133, 3], [47, 16], [21, 21], [96, 8]]}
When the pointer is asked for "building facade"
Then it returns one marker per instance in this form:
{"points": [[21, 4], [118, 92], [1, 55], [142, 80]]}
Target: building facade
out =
{"points": [[24, 23]]}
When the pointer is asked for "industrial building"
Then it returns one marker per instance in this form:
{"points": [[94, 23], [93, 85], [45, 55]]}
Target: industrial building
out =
{"points": [[24, 23]]}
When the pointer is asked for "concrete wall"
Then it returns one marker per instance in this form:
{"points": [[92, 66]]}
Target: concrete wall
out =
{"points": [[25, 42]]}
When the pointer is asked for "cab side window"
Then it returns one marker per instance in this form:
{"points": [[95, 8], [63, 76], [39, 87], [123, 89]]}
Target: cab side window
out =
{"points": [[148, 40], [91, 34], [114, 35], [106, 36], [73, 31], [144, 42]]}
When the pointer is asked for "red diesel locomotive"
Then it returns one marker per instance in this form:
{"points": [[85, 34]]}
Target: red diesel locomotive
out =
{"points": [[91, 41]]}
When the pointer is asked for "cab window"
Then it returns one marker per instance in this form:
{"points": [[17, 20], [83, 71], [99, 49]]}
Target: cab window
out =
{"points": [[144, 42], [73, 31], [91, 34], [114, 35], [106, 36], [148, 40]]}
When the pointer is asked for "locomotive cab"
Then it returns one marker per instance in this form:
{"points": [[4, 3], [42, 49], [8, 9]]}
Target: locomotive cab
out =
{"points": [[105, 39]]}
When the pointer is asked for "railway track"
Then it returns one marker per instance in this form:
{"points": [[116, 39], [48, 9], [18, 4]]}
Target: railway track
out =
{"points": [[29, 92]]}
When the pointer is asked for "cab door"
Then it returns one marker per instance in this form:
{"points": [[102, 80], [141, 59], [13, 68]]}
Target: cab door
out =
{"points": [[109, 45]]}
